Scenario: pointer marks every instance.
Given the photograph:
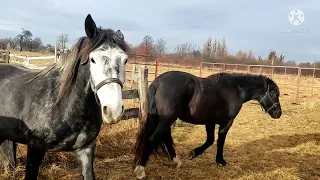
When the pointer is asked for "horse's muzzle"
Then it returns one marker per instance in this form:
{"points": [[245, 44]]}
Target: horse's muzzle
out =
{"points": [[111, 115], [276, 114]]}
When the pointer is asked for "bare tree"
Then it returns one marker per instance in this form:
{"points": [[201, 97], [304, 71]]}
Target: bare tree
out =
{"points": [[272, 57], [214, 48], [160, 47], [34, 44], [145, 48], [62, 41], [281, 59], [222, 48], [24, 38], [147, 40], [207, 48], [14, 42], [3, 43], [49, 48], [185, 50], [251, 55]]}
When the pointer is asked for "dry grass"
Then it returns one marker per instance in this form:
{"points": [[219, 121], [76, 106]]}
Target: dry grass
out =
{"points": [[257, 147]]}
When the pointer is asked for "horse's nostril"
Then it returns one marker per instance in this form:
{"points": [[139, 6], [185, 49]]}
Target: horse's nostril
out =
{"points": [[104, 110], [122, 108]]}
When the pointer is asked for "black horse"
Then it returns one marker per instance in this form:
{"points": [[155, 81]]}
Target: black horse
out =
{"points": [[216, 99], [62, 108]]}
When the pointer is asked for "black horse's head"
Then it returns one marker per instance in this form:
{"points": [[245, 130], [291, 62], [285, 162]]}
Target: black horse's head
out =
{"points": [[269, 98]]}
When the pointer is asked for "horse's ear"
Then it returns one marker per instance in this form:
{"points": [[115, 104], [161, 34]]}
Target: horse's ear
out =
{"points": [[119, 33], [90, 27]]}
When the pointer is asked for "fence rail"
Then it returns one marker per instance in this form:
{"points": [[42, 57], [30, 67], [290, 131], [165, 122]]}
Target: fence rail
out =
{"points": [[296, 82]]}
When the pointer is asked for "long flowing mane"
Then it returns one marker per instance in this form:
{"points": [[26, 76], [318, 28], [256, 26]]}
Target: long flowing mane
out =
{"points": [[79, 55]]}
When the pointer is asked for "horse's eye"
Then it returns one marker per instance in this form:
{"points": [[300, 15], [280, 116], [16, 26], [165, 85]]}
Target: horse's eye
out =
{"points": [[126, 61], [92, 60]]}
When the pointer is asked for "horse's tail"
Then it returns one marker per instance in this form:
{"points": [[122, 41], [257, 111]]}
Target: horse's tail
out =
{"points": [[150, 123]]}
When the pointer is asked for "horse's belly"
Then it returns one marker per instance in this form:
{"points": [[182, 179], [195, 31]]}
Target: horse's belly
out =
{"points": [[73, 142]]}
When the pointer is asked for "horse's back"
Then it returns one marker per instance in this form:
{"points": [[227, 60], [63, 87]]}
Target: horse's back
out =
{"points": [[174, 91], [9, 70]]}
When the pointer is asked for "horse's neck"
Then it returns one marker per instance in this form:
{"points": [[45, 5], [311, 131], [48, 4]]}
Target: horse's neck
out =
{"points": [[80, 94], [249, 87], [81, 88]]}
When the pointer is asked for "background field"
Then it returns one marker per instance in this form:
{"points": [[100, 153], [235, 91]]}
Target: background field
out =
{"points": [[257, 146]]}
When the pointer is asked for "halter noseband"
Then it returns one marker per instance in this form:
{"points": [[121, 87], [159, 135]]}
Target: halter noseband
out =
{"points": [[107, 81], [104, 82], [267, 96]]}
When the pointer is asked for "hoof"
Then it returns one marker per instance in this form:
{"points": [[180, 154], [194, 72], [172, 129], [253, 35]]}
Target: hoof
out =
{"points": [[192, 155], [139, 172], [221, 162], [177, 161]]}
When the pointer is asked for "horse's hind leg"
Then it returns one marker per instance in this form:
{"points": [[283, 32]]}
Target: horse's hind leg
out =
{"points": [[172, 153], [210, 139], [158, 135], [34, 160]]}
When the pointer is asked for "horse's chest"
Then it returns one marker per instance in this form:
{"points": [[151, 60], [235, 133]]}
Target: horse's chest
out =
{"points": [[71, 138], [84, 138]]}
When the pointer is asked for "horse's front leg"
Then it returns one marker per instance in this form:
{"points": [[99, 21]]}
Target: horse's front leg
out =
{"points": [[85, 156], [34, 160], [210, 139], [223, 130]]}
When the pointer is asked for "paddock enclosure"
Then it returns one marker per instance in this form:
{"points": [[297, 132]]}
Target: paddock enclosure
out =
{"points": [[256, 147]]}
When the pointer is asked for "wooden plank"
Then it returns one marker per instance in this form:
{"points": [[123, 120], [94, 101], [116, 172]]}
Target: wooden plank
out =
{"points": [[130, 94], [8, 154], [143, 85], [130, 113], [8, 57]]}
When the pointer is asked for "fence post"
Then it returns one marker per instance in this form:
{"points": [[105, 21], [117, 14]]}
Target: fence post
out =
{"points": [[313, 75], [157, 64], [298, 84], [143, 86], [260, 69], [200, 68], [8, 57], [8, 154], [55, 52], [26, 61]]}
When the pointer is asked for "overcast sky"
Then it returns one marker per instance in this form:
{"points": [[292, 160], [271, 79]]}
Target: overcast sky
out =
{"points": [[256, 25]]}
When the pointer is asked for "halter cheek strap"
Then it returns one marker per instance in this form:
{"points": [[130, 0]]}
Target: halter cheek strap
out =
{"points": [[267, 95]]}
